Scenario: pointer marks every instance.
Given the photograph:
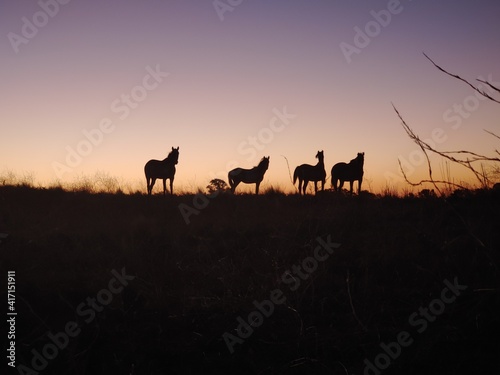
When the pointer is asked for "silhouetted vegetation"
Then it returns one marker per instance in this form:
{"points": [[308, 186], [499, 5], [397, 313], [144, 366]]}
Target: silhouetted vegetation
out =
{"points": [[485, 169], [217, 185], [193, 281]]}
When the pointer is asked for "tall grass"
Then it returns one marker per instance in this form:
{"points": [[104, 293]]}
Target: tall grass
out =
{"points": [[103, 182], [194, 281]]}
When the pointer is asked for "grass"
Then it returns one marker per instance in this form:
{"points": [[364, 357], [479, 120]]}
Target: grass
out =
{"points": [[193, 281]]}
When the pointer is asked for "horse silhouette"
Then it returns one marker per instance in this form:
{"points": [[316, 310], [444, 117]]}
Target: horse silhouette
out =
{"points": [[248, 176], [315, 173], [163, 169], [348, 172]]}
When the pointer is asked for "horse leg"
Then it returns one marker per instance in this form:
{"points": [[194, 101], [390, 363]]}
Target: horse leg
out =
{"points": [[257, 188], [341, 185], [153, 180], [147, 186], [164, 186], [359, 185], [351, 183], [315, 187], [234, 185], [172, 185], [304, 187]]}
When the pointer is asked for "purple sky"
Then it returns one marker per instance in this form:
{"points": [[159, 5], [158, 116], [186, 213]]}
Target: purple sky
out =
{"points": [[143, 76]]}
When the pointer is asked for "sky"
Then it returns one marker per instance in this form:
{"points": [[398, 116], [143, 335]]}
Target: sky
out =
{"points": [[105, 86]]}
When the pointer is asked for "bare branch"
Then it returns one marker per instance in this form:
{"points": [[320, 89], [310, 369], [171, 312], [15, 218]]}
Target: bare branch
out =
{"points": [[467, 159], [431, 181], [423, 146], [491, 133], [352, 305], [464, 80], [467, 162], [489, 84]]}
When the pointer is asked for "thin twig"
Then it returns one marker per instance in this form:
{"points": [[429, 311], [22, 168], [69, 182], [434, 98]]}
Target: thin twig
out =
{"points": [[491, 133], [423, 146], [467, 162], [289, 172], [481, 176], [352, 305], [462, 79], [419, 183], [489, 84]]}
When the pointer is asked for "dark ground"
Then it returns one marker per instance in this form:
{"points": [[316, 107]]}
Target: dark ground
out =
{"points": [[189, 283]]}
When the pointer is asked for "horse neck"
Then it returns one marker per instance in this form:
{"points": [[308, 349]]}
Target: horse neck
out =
{"points": [[261, 168], [357, 163], [169, 159], [321, 163]]}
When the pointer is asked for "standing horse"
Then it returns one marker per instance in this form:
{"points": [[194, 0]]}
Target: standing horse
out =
{"points": [[315, 173], [163, 169], [248, 176], [349, 172]]}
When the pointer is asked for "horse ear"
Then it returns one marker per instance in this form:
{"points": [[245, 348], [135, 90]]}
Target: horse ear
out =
{"points": [[172, 148]]}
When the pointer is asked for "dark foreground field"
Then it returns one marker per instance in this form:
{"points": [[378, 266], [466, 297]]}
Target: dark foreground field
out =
{"points": [[120, 284]]}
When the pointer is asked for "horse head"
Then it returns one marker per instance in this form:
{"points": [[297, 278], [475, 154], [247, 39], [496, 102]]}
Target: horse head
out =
{"points": [[264, 162], [361, 157], [320, 156], [174, 155]]}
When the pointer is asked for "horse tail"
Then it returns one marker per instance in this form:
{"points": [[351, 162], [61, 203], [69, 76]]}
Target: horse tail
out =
{"points": [[230, 180], [295, 175], [334, 177]]}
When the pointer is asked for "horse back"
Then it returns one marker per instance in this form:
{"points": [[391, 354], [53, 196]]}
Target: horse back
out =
{"points": [[346, 171], [309, 172], [235, 172], [159, 169]]}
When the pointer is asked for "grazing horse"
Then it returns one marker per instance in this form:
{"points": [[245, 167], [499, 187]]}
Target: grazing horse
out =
{"points": [[349, 172], [248, 176], [163, 169], [315, 173]]}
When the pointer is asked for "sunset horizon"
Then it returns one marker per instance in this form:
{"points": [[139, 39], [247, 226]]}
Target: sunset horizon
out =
{"points": [[102, 88], [250, 187]]}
